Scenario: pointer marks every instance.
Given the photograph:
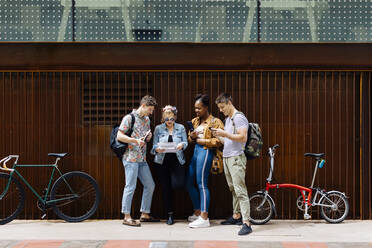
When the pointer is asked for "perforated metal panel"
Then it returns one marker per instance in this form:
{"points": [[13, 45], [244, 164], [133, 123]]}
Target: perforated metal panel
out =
{"points": [[187, 20]]}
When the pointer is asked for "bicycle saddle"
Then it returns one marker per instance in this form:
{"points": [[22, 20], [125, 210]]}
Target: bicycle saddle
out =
{"points": [[57, 155], [315, 155]]}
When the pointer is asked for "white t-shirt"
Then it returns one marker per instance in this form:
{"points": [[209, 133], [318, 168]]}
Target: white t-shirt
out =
{"points": [[200, 131], [232, 148]]}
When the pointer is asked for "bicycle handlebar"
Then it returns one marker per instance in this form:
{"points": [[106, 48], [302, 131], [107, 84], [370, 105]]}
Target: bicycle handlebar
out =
{"points": [[271, 150], [271, 153], [6, 160]]}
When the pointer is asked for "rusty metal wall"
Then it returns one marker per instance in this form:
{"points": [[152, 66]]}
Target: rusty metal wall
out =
{"points": [[301, 110]]}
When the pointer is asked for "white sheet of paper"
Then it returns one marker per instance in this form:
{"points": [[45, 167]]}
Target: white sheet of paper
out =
{"points": [[169, 147]]}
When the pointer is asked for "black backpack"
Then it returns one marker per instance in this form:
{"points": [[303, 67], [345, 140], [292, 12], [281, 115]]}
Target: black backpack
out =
{"points": [[116, 146], [254, 143]]}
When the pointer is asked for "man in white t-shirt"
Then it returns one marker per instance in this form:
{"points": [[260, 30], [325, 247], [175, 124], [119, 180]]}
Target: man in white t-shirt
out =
{"points": [[234, 161]]}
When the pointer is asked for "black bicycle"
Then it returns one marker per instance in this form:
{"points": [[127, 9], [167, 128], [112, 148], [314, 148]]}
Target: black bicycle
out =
{"points": [[74, 196]]}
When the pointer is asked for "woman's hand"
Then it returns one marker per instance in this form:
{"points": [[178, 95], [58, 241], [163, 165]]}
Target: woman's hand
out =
{"points": [[159, 150], [201, 142], [194, 134], [179, 146]]}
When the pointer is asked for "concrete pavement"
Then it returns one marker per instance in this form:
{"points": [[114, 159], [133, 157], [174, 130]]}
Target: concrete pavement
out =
{"points": [[111, 233]]}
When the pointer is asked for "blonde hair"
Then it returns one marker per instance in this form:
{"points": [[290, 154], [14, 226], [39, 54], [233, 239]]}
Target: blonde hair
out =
{"points": [[169, 109]]}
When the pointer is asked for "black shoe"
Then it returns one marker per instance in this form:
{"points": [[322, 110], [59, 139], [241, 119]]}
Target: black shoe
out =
{"points": [[170, 220], [232, 221], [245, 230]]}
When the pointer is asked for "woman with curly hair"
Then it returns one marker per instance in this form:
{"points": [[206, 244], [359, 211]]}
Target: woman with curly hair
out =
{"points": [[205, 144]]}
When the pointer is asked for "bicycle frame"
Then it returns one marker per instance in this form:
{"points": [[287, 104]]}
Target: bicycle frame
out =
{"points": [[306, 199], [294, 186], [13, 171], [334, 205]]}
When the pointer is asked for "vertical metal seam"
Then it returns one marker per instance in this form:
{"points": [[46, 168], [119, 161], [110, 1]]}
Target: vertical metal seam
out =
{"points": [[354, 140], [340, 126], [104, 210], [361, 144], [296, 132], [283, 143], [309, 115], [289, 133], [325, 130], [369, 150], [333, 124]]}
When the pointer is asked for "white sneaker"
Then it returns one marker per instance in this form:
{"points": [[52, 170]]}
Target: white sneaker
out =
{"points": [[199, 223], [192, 218]]}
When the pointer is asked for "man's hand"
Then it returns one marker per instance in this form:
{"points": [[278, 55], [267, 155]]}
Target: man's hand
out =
{"points": [[179, 146], [218, 132], [140, 142]]}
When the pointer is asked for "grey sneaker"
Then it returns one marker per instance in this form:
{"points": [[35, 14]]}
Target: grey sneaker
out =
{"points": [[245, 230], [232, 221]]}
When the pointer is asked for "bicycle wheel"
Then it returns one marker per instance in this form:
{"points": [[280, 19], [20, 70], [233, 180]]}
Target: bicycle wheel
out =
{"points": [[76, 196], [339, 210], [12, 203], [262, 209]]}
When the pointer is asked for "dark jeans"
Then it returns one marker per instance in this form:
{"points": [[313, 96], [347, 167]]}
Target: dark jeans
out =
{"points": [[172, 176]]}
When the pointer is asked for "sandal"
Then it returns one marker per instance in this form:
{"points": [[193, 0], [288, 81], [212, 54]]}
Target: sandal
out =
{"points": [[149, 219], [131, 222]]}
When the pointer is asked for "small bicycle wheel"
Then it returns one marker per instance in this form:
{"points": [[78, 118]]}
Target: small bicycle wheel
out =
{"points": [[13, 201], [75, 196], [338, 209], [262, 209]]}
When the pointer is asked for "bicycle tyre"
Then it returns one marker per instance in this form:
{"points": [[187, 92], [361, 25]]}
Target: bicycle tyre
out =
{"points": [[338, 214], [265, 213], [14, 198], [80, 208]]}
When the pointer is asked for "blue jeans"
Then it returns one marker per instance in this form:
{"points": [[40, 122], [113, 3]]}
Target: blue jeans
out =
{"points": [[142, 171], [199, 167]]}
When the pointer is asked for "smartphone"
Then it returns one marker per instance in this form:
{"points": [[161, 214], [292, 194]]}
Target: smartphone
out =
{"points": [[147, 134], [190, 126]]}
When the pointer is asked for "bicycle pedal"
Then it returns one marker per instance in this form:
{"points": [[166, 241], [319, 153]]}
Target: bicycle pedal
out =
{"points": [[307, 216]]}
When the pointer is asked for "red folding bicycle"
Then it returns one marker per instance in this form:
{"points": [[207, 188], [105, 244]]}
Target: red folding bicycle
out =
{"points": [[334, 206]]}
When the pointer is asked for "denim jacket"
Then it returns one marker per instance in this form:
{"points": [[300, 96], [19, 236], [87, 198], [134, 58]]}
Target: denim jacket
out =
{"points": [[161, 135]]}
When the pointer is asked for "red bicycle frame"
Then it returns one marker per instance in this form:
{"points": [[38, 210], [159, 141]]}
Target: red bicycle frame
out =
{"points": [[293, 186], [334, 206], [302, 189]]}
